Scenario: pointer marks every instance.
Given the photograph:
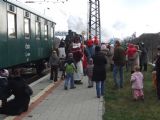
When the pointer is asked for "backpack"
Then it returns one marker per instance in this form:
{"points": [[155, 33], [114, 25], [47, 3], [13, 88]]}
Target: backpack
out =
{"points": [[69, 68]]}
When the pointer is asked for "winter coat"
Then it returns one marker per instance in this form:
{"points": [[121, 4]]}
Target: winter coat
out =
{"points": [[54, 60], [84, 61], [90, 43], [119, 56], [61, 52], [157, 68], [99, 69], [90, 70], [137, 80], [131, 52], [21, 100], [143, 56]]}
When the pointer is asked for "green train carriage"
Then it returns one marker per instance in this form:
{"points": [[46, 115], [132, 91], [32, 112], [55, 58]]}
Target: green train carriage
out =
{"points": [[25, 35]]}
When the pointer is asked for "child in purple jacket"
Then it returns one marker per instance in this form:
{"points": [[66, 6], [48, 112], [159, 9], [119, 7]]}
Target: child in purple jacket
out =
{"points": [[137, 84]]}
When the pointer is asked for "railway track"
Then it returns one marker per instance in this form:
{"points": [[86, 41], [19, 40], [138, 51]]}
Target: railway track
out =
{"points": [[30, 75]]}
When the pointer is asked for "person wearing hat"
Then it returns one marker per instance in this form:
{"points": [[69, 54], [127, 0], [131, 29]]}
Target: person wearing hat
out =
{"points": [[157, 68], [54, 63], [143, 57], [69, 69]]}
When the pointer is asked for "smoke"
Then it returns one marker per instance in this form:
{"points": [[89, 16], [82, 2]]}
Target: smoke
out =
{"points": [[118, 25], [76, 24]]}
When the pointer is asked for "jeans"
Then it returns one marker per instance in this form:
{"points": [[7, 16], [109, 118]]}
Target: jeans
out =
{"points": [[69, 77], [54, 69], [90, 51], [100, 88], [118, 82]]}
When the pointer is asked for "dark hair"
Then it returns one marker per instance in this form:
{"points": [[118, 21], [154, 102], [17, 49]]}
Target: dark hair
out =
{"points": [[97, 48], [117, 42]]}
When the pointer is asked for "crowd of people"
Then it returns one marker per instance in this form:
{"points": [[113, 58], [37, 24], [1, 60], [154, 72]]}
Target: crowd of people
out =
{"points": [[80, 60], [91, 58]]}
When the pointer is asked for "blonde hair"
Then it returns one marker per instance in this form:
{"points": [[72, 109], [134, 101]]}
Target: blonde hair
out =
{"points": [[137, 68]]}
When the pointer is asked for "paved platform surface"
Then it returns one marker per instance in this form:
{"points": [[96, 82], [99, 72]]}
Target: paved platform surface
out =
{"points": [[52, 102]]}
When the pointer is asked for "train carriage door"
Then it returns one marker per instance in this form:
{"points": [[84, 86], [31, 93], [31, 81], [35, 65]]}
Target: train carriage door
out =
{"points": [[27, 36], [52, 36], [38, 37], [13, 44], [45, 53]]}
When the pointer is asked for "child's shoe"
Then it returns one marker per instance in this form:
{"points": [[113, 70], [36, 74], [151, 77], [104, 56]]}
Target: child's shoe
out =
{"points": [[90, 86], [65, 88]]}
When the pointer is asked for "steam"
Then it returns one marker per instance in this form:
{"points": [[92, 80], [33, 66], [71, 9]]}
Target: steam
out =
{"points": [[76, 24], [119, 25]]}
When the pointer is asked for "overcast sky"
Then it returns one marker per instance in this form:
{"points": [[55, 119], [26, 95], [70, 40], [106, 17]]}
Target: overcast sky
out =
{"points": [[119, 18]]}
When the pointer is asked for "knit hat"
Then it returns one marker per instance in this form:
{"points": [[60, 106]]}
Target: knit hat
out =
{"points": [[103, 47], [70, 55], [97, 48]]}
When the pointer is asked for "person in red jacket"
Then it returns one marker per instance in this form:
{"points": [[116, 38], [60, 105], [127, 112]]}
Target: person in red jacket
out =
{"points": [[132, 55], [96, 41]]}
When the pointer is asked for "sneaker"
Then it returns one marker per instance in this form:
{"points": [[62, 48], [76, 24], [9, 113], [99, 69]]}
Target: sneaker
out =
{"points": [[90, 86], [73, 87], [98, 96], [78, 82]]}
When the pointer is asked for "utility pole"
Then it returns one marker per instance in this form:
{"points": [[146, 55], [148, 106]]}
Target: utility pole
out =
{"points": [[94, 25]]}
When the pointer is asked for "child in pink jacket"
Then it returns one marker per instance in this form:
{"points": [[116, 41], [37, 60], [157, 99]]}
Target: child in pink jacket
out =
{"points": [[137, 84]]}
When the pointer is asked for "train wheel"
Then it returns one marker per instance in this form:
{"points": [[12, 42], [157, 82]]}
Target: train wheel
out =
{"points": [[40, 67]]}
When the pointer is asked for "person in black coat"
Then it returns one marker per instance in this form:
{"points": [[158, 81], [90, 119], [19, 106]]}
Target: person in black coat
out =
{"points": [[20, 102], [143, 57], [99, 71], [157, 68], [4, 93]]}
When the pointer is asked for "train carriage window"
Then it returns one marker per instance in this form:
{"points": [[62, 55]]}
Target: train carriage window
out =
{"points": [[38, 28], [52, 31], [27, 28], [11, 25], [46, 32]]}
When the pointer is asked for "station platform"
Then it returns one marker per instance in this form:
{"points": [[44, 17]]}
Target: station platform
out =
{"points": [[51, 102]]}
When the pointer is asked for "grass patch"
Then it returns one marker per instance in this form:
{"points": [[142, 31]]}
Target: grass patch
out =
{"points": [[120, 106]]}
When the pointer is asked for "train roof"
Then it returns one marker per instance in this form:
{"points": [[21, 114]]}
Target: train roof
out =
{"points": [[29, 9]]}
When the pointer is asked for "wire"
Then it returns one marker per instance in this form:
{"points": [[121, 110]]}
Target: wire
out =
{"points": [[58, 1]]}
